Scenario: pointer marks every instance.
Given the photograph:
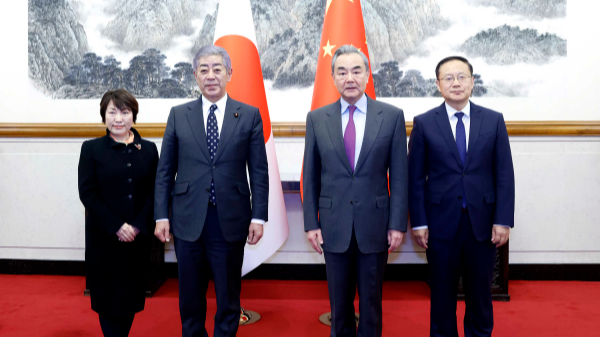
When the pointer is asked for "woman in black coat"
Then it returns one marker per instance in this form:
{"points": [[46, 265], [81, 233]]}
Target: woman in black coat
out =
{"points": [[116, 186]]}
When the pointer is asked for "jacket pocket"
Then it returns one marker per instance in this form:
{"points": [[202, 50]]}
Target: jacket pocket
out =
{"points": [[433, 198], [180, 188], [244, 189], [490, 198], [325, 202], [383, 201]]}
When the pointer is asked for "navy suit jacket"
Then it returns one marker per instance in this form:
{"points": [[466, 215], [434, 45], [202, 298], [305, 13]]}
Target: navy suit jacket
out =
{"points": [[336, 200], [437, 177], [185, 171]]}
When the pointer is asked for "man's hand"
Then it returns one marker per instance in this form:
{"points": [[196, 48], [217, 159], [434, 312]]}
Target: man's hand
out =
{"points": [[127, 233], [422, 237], [394, 239], [162, 231], [316, 239], [255, 233], [500, 235]]}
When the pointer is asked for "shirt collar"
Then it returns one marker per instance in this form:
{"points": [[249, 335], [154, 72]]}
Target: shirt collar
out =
{"points": [[451, 111], [221, 104], [361, 104]]}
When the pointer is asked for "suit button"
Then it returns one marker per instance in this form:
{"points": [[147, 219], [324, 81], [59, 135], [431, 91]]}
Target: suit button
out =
{"points": [[460, 197], [129, 151], [128, 164], [130, 196], [464, 174], [214, 167], [353, 177], [129, 180]]}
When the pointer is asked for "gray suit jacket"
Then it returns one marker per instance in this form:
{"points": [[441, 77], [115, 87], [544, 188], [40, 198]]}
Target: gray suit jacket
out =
{"points": [[338, 201], [184, 154]]}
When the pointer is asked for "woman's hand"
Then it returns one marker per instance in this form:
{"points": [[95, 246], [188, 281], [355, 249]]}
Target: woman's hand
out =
{"points": [[127, 233]]}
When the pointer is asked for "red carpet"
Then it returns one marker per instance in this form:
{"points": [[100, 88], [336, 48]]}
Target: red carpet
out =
{"points": [[55, 306]]}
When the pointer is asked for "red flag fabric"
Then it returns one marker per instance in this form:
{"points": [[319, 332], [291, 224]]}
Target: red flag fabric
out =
{"points": [[343, 25]]}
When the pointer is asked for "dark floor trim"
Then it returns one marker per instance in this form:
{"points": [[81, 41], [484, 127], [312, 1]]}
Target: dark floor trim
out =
{"points": [[555, 272], [43, 267], [393, 272]]}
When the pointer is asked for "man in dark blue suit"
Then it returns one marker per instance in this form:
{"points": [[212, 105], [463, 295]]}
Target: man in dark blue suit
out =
{"points": [[207, 147], [461, 198]]}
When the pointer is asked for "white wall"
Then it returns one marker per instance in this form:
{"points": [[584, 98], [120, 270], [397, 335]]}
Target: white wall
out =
{"points": [[556, 220]]}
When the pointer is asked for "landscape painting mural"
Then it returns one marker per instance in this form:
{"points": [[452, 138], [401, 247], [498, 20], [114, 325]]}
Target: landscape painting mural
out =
{"points": [[80, 49]]}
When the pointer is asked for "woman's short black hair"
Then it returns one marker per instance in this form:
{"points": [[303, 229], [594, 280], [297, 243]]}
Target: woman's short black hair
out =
{"points": [[122, 99]]}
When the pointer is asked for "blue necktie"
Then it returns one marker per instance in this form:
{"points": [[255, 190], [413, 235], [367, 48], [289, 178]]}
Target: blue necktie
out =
{"points": [[461, 144], [212, 139]]}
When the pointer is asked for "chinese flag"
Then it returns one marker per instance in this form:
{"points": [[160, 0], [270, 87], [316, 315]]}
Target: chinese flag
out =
{"points": [[234, 31], [343, 25]]}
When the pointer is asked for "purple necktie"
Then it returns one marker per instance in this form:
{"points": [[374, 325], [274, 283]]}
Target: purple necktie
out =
{"points": [[350, 137]]}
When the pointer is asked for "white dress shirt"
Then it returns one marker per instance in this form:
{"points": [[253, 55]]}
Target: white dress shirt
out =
{"points": [[359, 118], [220, 115], [453, 122]]}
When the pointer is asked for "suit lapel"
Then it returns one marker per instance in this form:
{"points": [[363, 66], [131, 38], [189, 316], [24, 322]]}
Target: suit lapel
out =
{"points": [[441, 117], [229, 124], [372, 126], [196, 121], [473, 130], [334, 126]]}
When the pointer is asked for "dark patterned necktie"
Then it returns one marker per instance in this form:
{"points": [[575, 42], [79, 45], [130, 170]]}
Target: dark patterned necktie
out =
{"points": [[212, 139], [461, 144], [350, 137]]}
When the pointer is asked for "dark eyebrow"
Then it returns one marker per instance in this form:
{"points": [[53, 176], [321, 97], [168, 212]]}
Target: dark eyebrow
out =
{"points": [[343, 68], [206, 65]]}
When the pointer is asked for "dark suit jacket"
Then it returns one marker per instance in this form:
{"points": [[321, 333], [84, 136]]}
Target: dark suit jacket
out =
{"points": [[185, 171], [437, 177], [338, 201], [116, 185]]}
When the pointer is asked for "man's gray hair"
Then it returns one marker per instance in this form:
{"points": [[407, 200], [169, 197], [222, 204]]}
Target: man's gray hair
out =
{"points": [[210, 50], [348, 49]]}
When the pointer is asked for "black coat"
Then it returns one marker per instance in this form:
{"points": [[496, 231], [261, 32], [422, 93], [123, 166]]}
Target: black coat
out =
{"points": [[116, 185]]}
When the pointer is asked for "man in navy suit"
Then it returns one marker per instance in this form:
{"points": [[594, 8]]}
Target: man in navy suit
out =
{"points": [[207, 147], [351, 146], [461, 198]]}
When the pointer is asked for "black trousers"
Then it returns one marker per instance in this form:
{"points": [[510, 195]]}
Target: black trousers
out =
{"points": [[116, 326], [225, 261], [345, 273], [446, 259]]}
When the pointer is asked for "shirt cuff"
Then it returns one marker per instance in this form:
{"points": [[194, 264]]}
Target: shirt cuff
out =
{"points": [[165, 219], [420, 227], [501, 225], [258, 221]]}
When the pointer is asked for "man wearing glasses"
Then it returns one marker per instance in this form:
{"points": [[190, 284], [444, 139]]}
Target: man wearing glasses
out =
{"points": [[461, 198]]}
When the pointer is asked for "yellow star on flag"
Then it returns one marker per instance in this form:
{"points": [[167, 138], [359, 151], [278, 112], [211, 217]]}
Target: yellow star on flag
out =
{"points": [[328, 49], [354, 47]]}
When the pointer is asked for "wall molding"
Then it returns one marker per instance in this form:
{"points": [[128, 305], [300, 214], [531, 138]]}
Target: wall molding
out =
{"points": [[280, 129]]}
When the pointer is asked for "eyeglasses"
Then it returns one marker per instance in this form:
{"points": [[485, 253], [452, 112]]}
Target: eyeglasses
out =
{"points": [[462, 78]]}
